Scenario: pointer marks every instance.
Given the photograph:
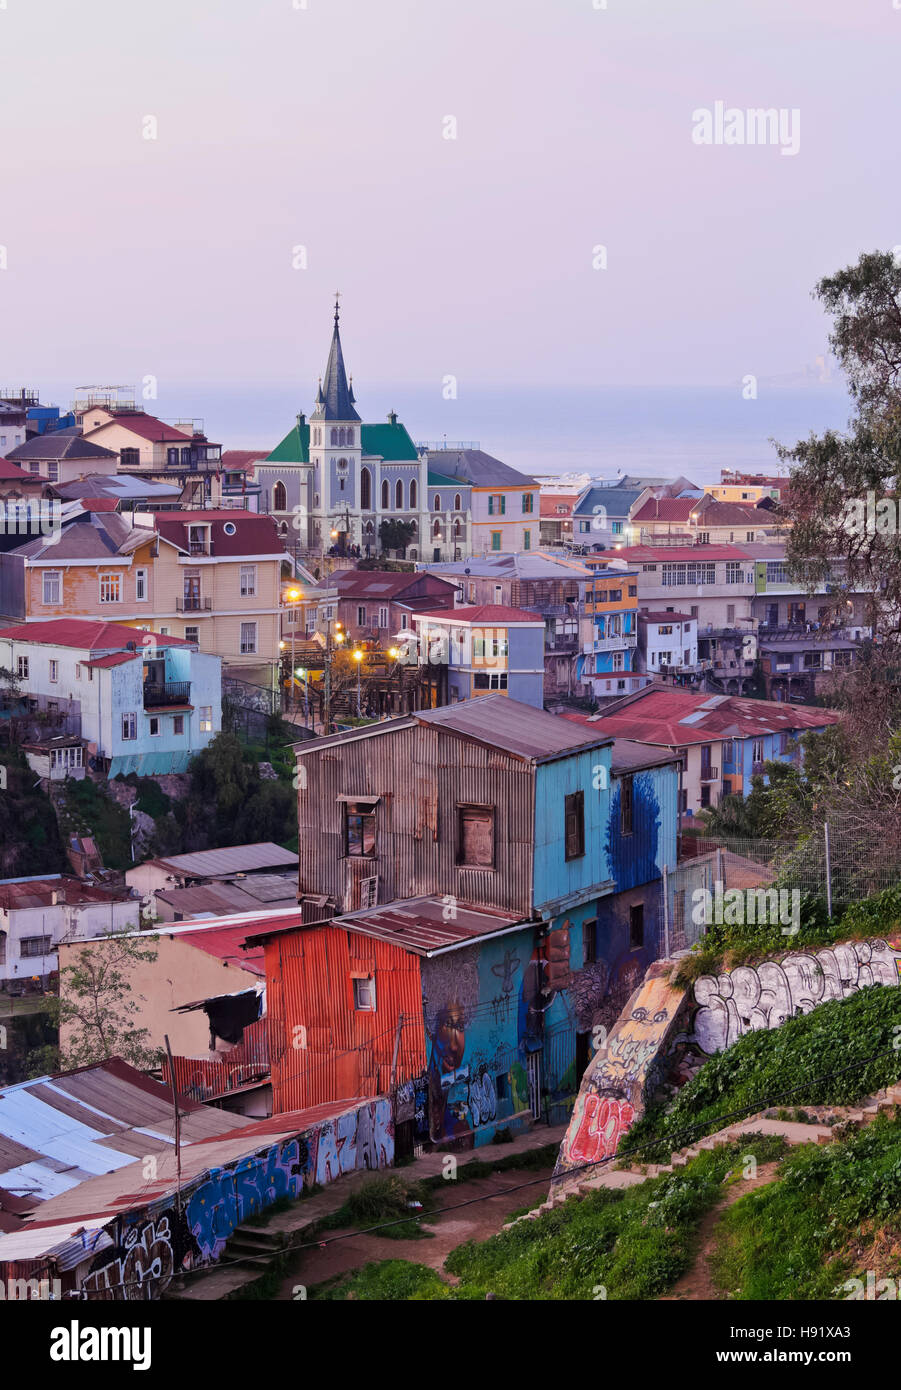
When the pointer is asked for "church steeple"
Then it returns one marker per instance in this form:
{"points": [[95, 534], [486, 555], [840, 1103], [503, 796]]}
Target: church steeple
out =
{"points": [[335, 399]]}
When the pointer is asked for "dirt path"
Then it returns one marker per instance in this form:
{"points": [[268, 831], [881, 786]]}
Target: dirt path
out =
{"points": [[476, 1222], [697, 1282]]}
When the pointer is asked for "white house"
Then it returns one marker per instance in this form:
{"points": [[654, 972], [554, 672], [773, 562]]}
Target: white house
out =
{"points": [[667, 642], [38, 913], [143, 702]]}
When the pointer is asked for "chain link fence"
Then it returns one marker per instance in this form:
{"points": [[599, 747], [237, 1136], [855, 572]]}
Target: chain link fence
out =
{"points": [[836, 866]]}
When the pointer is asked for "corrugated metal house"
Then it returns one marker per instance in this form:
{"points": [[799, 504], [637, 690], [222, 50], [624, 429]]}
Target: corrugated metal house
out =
{"points": [[423, 841]]}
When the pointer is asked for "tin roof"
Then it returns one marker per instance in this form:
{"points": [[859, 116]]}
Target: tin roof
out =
{"points": [[485, 613], [416, 924], [18, 893], [513, 727], [86, 635], [216, 899], [219, 863], [677, 717]]}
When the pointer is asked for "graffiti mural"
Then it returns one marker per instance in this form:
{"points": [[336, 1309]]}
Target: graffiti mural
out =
{"points": [[621, 1075], [752, 997], [140, 1268]]}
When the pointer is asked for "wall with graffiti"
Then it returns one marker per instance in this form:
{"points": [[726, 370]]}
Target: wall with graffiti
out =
{"points": [[152, 1244], [751, 997], [622, 1074]]}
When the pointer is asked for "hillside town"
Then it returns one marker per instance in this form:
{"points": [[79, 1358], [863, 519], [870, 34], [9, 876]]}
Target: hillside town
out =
{"points": [[367, 803]]}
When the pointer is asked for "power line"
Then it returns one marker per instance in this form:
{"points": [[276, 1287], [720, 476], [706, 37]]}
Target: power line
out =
{"points": [[680, 1137]]}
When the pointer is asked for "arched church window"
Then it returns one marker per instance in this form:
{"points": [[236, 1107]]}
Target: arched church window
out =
{"points": [[399, 495], [458, 505], [413, 494], [458, 530], [279, 498], [386, 495], [334, 435], [436, 529], [365, 489], [436, 503]]}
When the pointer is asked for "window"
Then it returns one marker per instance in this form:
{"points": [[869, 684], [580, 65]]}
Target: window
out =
{"points": [[78, 670], [386, 495], [636, 926], [749, 535], [490, 680], [361, 617], [110, 588], [730, 614], [359, 829], [206, 719], [527, 540], [589, 941], [54, 671], [140, 585], [192, 634], [617, 528], [178, 723], [528, 502], [776, 572], [413, 494], [130, 458], [458, 504], [665, 629], [248, 638], [574, 825], [365, 490], [399, 495], [495, 540], [129, 726], [383, 617], [34, 467], [22, 668], [757, 751], [633, 591], [475, 836], [497, 504], [53, 584], [625, 806], [364, 994], [154, 726], [727, 750], [172, 457], [248, 581], [733, 572], [35, 946], [688, 574]]}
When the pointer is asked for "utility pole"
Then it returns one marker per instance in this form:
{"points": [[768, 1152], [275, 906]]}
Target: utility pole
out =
{"points": [[400, 1029], [328, 679]]}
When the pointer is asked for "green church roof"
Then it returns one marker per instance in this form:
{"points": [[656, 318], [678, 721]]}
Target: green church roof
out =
{"points": [[392, 442], [442, 480]]}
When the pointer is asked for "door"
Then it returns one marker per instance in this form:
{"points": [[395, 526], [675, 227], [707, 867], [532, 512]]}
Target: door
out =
{"points": [[534, 1074]]}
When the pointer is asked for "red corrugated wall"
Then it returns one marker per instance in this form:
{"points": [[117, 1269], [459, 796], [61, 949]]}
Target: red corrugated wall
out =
{"points": [[202, 1079], [323, 1049]]}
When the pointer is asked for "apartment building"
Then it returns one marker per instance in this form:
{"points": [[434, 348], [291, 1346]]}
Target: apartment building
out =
{"points": [[487, 648], [63, 456], [39, 914]]}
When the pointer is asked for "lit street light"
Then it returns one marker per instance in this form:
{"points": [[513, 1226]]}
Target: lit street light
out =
{"points": [[358, 658]]}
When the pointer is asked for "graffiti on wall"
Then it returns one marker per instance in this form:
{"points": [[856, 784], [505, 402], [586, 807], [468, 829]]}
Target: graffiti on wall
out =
{"points": [[621, 1075], [151, 1251], [753, 997]]}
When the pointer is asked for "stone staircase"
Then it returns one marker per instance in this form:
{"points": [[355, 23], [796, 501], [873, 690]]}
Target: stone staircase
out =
{"points": [[249, 1254], [884, 1102]]}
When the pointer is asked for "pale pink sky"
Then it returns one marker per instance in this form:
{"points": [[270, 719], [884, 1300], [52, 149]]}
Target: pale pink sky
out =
{"points": [[323, 128]]}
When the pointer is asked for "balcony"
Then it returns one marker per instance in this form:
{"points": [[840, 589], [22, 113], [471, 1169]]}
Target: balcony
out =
{"points": [[159, 696], [709, 773], [193, 603], [611, 644]]}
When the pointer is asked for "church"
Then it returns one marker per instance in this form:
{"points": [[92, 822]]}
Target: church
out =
{"points": [[333, 480]]}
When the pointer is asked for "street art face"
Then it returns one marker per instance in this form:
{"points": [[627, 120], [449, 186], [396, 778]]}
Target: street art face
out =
{"points": [[450, 1037], [620, 1076], [752, 997]]}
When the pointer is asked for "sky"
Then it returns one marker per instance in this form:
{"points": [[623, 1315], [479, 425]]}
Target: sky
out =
{"points": [[301, 146]]}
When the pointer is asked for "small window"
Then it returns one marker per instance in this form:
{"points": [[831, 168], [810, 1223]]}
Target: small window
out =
{"points": [[22, 668], [359, 829], [78, 670], [140, 586], [636, 926], [53, 583], [625, 806], [248, 580], [230, 528], [192, 634], [35, 946], [364, 994], [361, 617], [206, 719], [475, 836], [154, 726], [589, 941], [248, 638], [110, 588], [54, 671], [129, 727], [574, 817], [178, 724]]}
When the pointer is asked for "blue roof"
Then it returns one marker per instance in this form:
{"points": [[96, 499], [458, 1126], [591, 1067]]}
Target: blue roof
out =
{"points": [[615, 500]]}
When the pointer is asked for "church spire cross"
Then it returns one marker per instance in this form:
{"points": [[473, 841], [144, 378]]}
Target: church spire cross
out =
{"points": [[337, 304]]}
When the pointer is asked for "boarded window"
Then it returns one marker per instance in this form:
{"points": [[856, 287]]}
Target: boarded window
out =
{"points": [[626, 806], [475, 836], [636, 926], [575, 825]]}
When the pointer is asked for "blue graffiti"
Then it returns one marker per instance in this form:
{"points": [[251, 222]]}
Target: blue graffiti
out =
{"points": [[633, 857]]}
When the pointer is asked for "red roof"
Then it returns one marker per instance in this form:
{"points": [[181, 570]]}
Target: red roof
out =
{"points": [[99, 504], [90, 636], [550, 501], [485, 613], [666, 509], [148, 427], [667, 618], [255, 534], [226, 943], [676, 717], [115, 659], [235, 459], [10, 470]]}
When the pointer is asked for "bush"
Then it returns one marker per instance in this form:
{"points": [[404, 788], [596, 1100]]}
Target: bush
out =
{"points": [[388, 1198]]}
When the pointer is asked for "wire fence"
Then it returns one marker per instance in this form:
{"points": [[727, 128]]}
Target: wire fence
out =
{"points": [[836, 866]]}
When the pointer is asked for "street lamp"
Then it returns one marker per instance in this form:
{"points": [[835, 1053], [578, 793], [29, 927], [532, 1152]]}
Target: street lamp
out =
{"points": [[302, 673], [358, 658]]}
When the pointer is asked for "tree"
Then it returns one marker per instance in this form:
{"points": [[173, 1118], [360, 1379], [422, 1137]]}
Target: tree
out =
{"points": [[97, 1008], [396, 535], [843, 499]]}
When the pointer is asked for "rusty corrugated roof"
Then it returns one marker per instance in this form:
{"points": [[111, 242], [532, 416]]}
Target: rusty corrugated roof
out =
{"points": [[513, 727]]}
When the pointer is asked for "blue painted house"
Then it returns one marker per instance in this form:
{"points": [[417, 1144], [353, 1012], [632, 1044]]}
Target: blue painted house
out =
{"points": [[488, 648], [517, 856]]}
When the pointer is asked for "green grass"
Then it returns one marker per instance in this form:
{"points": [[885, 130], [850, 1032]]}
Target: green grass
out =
{"points": [[764, 1069], [791, 1239], [89, 811], [385, 1198], [631, 1242]]}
